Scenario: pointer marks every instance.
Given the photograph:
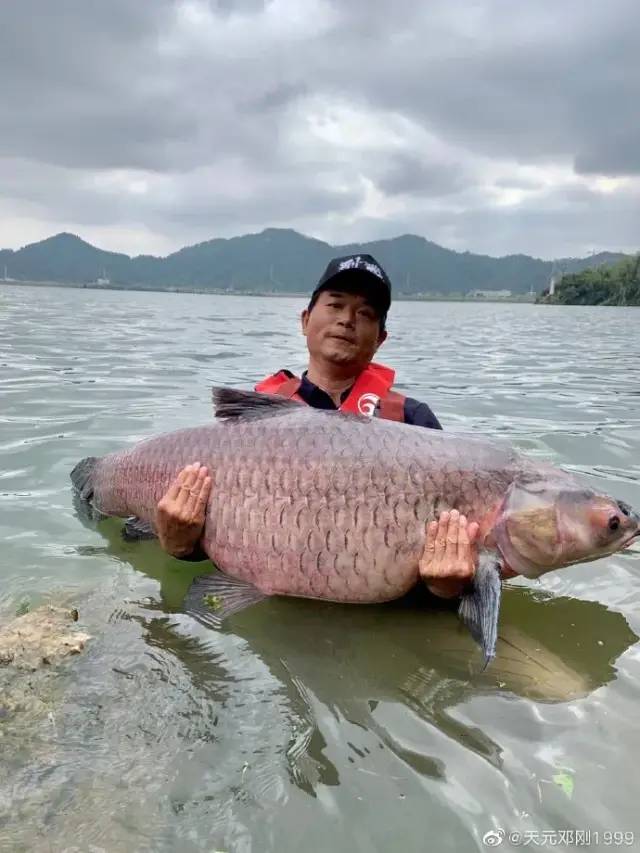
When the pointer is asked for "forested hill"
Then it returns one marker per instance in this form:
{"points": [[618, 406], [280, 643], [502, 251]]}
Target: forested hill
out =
{"points": [[611, 285], [618, 284], [283, 261]]}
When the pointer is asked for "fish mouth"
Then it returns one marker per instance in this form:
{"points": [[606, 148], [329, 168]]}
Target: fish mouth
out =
{"points": [[635, 537]]}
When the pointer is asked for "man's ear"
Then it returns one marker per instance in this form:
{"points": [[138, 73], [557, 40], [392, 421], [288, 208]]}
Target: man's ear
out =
{"points": [[304, 320], [382, 337]]}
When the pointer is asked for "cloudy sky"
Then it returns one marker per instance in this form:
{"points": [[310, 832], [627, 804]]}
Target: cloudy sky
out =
{"points": [[492, 126]]}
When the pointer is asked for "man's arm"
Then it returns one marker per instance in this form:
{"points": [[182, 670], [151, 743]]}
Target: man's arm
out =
{"points": [[181, 512], [419, 414]]}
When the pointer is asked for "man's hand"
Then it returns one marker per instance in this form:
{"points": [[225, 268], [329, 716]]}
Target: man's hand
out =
{"points": [[180, 513], [450, 554]]}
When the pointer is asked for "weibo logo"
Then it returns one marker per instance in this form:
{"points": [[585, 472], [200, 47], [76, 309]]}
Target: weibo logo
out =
{"points": [[367, 404]]}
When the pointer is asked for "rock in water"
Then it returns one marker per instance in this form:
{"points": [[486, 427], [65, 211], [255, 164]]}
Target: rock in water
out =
{"points": [[44, 636]]}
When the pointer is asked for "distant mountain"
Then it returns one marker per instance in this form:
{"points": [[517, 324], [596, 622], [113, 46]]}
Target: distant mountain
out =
{"points": [[284, 261]]}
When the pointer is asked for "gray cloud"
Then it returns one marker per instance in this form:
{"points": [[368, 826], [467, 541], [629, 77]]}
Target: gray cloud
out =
{"points": [[408, 174], [546, 81], [476, 125], [616, 154]]}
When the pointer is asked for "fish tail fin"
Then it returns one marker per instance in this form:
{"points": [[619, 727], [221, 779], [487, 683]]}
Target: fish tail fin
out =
{"points": [[82, 477]]}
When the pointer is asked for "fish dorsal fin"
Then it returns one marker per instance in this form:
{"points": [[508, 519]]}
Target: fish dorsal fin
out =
{"points": [[232, 404]]}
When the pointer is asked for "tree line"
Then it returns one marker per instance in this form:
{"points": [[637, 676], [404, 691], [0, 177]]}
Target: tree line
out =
{"points": [[618, 284]]}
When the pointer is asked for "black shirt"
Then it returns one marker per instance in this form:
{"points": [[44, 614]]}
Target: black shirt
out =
{"points": [[415, 412]]}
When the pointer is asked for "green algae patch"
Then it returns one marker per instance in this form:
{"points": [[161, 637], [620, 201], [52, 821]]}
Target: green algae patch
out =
{"points": [[564, 781]]}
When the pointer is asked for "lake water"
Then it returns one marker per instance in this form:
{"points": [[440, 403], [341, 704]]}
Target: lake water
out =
{"points": [[304, 725]]}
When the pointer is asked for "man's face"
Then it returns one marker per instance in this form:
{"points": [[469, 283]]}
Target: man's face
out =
{"points": [[342, 328]]}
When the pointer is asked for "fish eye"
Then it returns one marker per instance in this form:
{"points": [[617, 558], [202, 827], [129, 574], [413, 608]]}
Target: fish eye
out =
{"points": [[614, 522], [625, 509]]}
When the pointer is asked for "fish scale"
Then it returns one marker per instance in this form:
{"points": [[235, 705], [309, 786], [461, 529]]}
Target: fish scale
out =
{"points": [[294, 510]]}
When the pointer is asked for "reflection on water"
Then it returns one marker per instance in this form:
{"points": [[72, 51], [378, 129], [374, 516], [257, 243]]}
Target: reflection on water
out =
{"points": [[304, 724]]}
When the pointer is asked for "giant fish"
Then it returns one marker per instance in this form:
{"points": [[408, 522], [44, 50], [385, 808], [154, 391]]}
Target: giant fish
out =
{"points": [[334, 506]]}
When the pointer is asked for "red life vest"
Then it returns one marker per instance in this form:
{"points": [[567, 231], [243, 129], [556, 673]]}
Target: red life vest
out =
{"points": [[373, 385]]}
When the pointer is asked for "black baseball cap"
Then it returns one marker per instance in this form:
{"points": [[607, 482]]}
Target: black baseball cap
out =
{"points": [[358, 272]]}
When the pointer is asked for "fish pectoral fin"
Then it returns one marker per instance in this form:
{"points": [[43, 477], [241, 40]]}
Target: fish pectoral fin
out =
{"points": [[480, 607], [212, 598], [135, 529]]}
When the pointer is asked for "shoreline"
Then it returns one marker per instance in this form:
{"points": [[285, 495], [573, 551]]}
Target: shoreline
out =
{"points": [[212, 291]]}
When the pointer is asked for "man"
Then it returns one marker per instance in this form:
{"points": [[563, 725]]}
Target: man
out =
{"points": [[344, 325]]}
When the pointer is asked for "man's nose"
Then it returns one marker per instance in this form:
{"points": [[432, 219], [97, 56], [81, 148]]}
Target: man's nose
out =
{"points": [[347, 318]]}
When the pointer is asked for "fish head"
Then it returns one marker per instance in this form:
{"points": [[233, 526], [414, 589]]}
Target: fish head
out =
{"points": [[548, 525]]}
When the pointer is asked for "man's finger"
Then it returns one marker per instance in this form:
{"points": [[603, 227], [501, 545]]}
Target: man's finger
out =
{"points": [[473, 528], [193, 476], [205, 491], [195, 492], [463, 540], [441, 535], [198, 500], [430, 544], [427, 559], [174, 489], [428, 563], [187, 484], [453, 532]]}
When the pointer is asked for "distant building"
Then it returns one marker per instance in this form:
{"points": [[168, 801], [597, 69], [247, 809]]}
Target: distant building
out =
{"points": [[489, 294], [103, 280]]}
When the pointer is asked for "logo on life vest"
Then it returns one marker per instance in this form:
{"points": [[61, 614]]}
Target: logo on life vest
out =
{"points": [[367, 404]]}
